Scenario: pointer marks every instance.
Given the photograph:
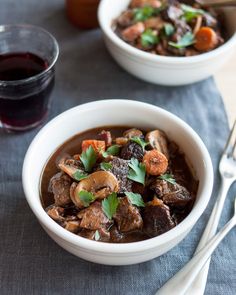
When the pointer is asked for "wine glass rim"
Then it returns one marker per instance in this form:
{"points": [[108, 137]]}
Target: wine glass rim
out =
{"points": [[6, 27]]}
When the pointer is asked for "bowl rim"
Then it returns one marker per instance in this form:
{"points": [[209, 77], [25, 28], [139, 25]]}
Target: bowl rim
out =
{"points": [[114, 248], [173, 60]]}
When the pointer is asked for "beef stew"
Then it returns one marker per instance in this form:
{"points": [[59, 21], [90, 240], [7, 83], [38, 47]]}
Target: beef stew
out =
{"points": [[118, 184], [170, 28]]}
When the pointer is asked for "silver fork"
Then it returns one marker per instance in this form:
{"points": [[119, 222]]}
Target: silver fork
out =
{"points": [[183, 279], [217, 3], [227, 168]]}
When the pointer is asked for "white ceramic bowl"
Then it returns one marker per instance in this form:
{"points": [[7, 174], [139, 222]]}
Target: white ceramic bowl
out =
{"points": [[115, 112], [162, 69]]}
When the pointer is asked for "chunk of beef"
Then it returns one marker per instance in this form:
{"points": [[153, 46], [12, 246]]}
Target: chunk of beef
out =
{"points": [[105, 136], [209, 20], [179, 215], [127, 216], [133, 132], [132, 150], [116, 235], [171, 13], [93, 217], [160, 187], [172, 194], [157, 219], [126, 18], [130, 34], [120, 168], [154, 23], [60, 186]]}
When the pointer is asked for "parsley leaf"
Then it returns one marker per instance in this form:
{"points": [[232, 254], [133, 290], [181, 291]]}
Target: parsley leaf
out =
{"points": [[96, 236], [186, 40], [167, 177], [88, 158], [137, 171], [110, 204], [143, 13], [79, 175], [112, 151], [105, 166], [149, 38], [190, 12], [169, 29], [139, 141], [135, 199], [86, 198]]}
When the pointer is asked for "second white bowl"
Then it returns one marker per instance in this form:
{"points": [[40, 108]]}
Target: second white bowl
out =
{"points": [[164, 70]]}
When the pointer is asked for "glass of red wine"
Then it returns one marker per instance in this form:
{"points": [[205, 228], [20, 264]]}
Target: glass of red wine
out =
{"points": [[27, 69]]}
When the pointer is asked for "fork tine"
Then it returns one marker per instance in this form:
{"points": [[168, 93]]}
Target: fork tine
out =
{"points": [[234, 150], [229, 148]]}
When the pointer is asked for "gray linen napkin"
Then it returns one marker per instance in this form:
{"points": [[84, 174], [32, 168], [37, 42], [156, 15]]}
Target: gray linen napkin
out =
{"points": [[30, 262]]}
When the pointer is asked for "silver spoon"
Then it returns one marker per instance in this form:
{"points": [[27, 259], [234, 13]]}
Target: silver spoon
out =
{"points": [[180, 282]]}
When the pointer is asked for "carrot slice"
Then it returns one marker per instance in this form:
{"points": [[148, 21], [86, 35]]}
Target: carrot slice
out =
{"points": [[99, 146], [206, 39], [155, 162]]}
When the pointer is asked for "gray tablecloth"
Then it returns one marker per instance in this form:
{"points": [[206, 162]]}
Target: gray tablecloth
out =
{"points": [[30, 262]]}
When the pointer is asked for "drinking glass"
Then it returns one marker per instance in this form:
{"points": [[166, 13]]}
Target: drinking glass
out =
{"points": [[27, 69]]}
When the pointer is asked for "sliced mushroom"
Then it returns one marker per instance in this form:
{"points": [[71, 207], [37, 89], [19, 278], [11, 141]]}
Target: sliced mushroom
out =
{"points": [[69, 166], [72, 226], [55, 212], [133, 133], [198, 24], [158, 140], [121, 140], [100, 183]]}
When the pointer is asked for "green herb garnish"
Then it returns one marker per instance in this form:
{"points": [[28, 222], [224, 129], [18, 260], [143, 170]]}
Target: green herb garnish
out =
{"points": [[105, 166], [167, 177], [79, 175], [149, 38], [139, 141], [143, 13], [137, 171], [169, 29], [110, 204], [86, 198], [190, 12], [111, 151], [135, 199], [96, 236], [186, 40], [88, 158]]}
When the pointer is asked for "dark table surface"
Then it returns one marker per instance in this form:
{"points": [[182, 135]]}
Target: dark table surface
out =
{"points": [[30, 262]]}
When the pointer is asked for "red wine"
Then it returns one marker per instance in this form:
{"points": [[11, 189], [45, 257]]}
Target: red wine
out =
{"points": [[17, 66], [23, 101]]}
